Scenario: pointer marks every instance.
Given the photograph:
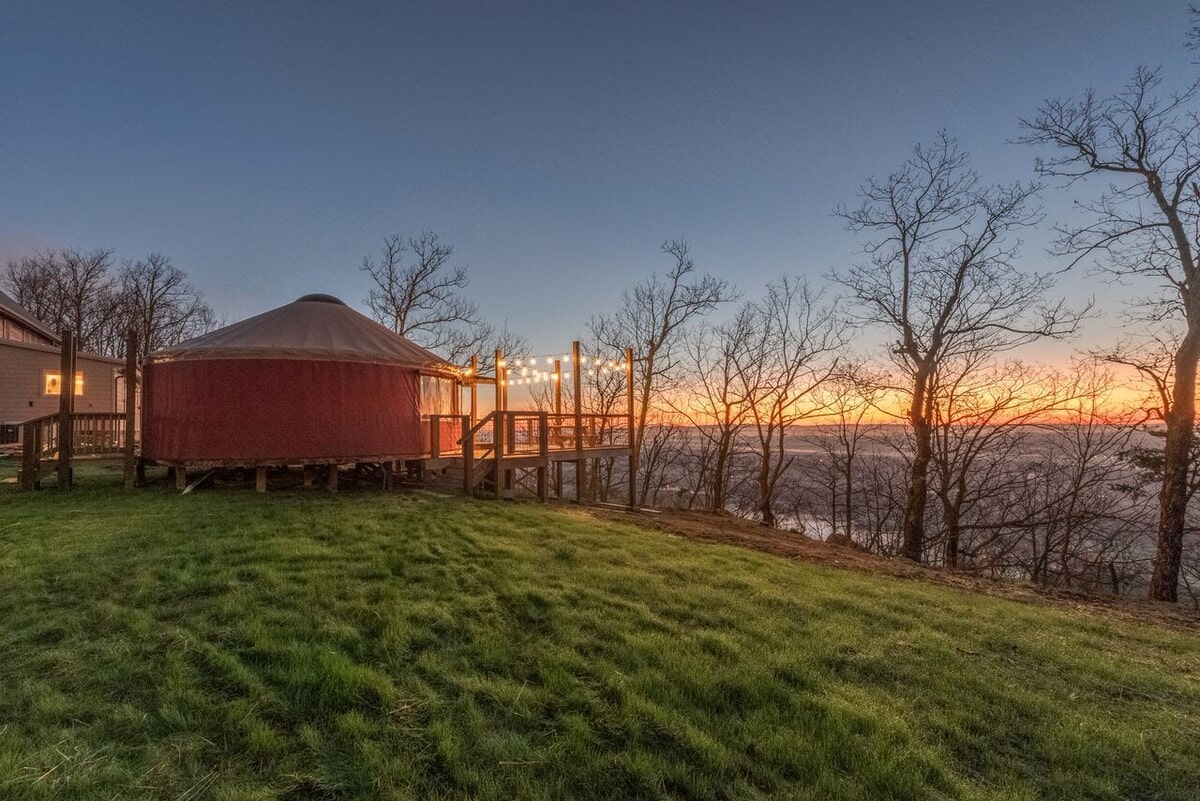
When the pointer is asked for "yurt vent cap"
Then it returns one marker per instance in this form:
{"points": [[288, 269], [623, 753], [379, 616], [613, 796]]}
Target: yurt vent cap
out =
{"points": [[320, 297]]}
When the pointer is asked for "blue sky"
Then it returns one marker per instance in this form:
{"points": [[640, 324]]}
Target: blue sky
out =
{"points": [[266, 148]]}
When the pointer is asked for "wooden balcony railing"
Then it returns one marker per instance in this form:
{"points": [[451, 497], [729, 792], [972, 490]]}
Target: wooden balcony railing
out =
{"points": [[93, 434]]}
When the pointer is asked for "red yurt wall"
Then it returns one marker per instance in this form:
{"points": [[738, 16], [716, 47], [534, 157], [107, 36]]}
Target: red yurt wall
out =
{"points": [[251, 411]]}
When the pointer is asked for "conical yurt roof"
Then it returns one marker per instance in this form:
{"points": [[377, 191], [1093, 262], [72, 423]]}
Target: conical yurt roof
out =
{"points": [[312, 328]]}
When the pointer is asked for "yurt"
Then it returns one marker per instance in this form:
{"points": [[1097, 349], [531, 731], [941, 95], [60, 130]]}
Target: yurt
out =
{"points": [[312, 382]]}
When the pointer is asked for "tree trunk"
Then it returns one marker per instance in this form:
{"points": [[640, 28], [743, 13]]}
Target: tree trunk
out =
{"points": [[1173, 497], [952, 537], [718, 488], [764, 492], [912, 529]]}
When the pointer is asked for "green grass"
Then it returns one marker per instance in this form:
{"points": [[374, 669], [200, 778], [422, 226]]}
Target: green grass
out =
{"points": [[228, 645]]}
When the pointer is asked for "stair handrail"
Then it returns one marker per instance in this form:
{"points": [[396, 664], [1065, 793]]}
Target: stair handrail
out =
{"points": [[475, 429]]}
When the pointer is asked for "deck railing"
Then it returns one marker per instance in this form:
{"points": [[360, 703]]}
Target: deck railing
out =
{"points": [[540, 433], [511, 437], [93, 434]]}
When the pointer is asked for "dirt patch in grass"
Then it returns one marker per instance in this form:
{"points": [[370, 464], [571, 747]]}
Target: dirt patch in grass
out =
{"points": [[729, 530]]}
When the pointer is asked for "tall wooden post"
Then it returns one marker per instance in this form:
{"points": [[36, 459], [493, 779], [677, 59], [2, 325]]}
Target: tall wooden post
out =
{"points": [[66, 408], [558, 467], [499, 427], [578, 386], [474, 390], [544, 453], [468, 449], [131, 383], [633, 454], [500, 382]]}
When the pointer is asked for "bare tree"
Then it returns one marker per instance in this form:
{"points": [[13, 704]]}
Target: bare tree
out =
{"points": [[653, 319], [986, 420], [158, 301], [419, 294], [68, 289], [849, 402], [714, 403], [789, 358], [1143, 226], [941, 279]]}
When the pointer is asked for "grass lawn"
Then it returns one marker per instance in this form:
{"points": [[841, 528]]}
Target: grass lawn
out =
{"points": [[302, 646]]}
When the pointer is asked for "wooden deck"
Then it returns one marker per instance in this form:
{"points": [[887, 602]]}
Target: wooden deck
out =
{"points": [[494, 451], [92, 436]]}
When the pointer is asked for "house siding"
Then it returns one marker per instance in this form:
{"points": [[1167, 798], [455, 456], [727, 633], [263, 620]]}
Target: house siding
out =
{"points": [[21, 369]]}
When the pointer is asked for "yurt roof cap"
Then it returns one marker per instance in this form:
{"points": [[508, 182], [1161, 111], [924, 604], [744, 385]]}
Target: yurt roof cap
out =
{"points": [[312, 328]]}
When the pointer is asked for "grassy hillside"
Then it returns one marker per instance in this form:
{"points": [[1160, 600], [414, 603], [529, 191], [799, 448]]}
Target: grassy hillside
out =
{"points": [[227, 645]]}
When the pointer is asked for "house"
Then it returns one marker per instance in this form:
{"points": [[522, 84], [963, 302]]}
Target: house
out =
{"points": [[30, 378]]}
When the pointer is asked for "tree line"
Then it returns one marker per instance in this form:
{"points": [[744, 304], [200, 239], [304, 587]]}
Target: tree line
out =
{"points": [[996, 464], [941, 445], [99, 301]]}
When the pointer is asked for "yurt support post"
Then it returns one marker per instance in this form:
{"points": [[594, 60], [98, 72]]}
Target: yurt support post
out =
{"points": [[66, 407], [578, 386], [131, 361], [180, 477], [332, 478], [633, 454], [260, 479]]}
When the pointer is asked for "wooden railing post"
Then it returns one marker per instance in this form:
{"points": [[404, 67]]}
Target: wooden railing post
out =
{"points": [[131, 354], [558, 468], [30, 455], [66, 407], [435, 436], [474, 389], [468, 450], [633, 454], [499, 424], [578, 386], [544, 453]]}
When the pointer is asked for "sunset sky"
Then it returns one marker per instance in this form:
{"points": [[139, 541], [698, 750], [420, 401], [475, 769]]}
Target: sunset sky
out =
{"points": [[267, 150]]}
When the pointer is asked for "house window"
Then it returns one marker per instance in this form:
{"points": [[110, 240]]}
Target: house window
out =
{"points": [[52, 383]]}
